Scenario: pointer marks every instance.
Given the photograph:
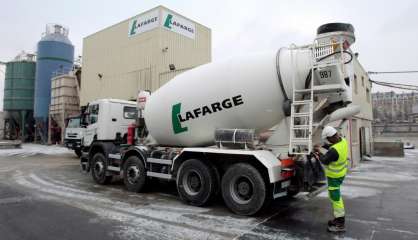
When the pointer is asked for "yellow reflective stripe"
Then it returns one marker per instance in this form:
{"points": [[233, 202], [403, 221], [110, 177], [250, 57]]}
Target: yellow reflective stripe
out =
{"points": [[336, 170], [333, 188], [337, 164]]}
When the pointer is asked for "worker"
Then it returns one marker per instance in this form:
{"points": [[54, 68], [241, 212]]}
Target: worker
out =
{"points": [[335, 164]]}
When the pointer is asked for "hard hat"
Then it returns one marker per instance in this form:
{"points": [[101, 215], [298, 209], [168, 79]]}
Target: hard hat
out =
{"points": [[328, 132]]}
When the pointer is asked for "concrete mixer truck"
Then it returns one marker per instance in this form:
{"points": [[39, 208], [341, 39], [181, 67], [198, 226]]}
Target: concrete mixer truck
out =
{"points": [[241, 129]]}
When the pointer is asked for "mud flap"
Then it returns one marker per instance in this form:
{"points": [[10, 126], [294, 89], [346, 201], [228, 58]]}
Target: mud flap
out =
{"points": [[309, 176]]}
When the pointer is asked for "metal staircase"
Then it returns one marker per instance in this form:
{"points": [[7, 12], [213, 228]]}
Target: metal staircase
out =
{"points": [[325, 54]]}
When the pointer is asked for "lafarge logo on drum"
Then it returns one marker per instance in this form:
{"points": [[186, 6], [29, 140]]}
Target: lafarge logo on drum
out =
{"points": [[178, 118]]}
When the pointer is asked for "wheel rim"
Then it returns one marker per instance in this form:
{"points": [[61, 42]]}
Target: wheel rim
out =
{"points": [[99, 169], [192, 182], [133, 174], [241, 189]]}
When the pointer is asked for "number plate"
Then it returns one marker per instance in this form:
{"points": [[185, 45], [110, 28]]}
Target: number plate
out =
{"points": [[285, 184]]}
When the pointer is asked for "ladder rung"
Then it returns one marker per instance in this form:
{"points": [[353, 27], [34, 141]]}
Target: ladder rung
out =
{"points": [[303, 90], [302, 102], [300, 140], [328, 88], [300, 127], [301, 114]]}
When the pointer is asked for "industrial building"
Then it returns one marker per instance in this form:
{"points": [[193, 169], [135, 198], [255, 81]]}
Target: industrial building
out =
{"points": [[142, 52], [395, 114], [391, 107], [358, 131]]}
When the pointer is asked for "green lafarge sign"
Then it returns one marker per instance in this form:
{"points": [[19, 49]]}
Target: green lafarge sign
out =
{"points": [[144, 23], [178, 24], [177, 118], [164, 19]]}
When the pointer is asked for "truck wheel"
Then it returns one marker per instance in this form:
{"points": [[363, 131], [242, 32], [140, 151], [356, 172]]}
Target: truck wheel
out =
{"points": [[98, 169], [134, 174], [197, 182], [78, 152], [244, 189]]}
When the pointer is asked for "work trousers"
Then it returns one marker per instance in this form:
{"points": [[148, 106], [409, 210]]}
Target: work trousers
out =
{"points": [[335, 197]]}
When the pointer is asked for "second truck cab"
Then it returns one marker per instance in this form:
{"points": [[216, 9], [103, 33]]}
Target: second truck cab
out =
{"points": [[74, 134]]}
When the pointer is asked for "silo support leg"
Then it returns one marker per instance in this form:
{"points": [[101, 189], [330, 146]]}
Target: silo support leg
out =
{"points": [[22, 126]]}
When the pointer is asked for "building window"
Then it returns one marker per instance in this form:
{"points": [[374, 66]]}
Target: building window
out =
{"points": [[354, 131], [355, 84], [368, 95], [362, 81]]}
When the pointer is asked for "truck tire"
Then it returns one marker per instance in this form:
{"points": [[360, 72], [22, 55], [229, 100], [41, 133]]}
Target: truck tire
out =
{"points": [[99, 169], [197, 182], [134, 174], [77, 152], [244, 189]]}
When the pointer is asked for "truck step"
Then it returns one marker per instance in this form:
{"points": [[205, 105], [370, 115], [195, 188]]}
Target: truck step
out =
{"points": [[160, 161], [159, 175], [114, 156], [113, 168]]}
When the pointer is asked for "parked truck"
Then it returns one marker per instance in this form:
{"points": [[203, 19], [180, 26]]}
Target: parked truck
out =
{"points": [[241, 129], [73, 136]]}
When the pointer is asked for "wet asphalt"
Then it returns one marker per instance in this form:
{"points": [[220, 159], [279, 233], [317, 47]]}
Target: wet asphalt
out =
{"points": [[48, 197]]}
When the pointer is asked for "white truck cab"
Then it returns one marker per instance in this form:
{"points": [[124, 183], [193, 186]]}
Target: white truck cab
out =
{"points": [[107, 120], [74, 132]]}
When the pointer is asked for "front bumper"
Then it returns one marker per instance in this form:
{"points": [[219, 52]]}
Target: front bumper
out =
{"points": [[72, 143]]}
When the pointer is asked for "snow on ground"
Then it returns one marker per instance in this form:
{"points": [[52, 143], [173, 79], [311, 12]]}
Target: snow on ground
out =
{"points": [[34, 149]]}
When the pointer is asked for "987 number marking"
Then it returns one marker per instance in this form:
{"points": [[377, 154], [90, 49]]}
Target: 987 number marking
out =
{"points": [[324, 74]]}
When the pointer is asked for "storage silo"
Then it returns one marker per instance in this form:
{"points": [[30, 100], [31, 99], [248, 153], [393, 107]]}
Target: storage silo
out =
{"points": [[18, 97], [55, 54]]}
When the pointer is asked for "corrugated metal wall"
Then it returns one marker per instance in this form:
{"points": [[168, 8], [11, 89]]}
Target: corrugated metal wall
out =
{"points": [[19, 85], [127, 64]]}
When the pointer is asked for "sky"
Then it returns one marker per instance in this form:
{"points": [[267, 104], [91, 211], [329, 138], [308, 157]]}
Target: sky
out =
{"points": [[386, 31]]}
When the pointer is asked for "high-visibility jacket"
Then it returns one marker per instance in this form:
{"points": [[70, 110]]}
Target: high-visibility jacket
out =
{"points": [[338, 169]]}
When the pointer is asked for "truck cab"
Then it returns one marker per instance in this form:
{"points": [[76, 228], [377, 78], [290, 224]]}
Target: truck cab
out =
{"points": [[107, 120], [74, 132], [105, 123]]}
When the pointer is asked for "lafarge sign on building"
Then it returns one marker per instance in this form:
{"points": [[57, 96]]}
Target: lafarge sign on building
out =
{"points": [[178, 24], [166, 20], [144, 23]]}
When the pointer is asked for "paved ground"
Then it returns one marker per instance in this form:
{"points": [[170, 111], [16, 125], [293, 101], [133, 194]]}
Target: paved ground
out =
{"points": [[43, 195]]}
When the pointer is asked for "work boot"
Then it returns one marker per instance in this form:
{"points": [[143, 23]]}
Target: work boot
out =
{"points": [[336, 225]]}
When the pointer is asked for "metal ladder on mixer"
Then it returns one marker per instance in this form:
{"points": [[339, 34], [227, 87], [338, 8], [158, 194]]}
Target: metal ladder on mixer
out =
{"points": [[302, 126], [301, 119]]}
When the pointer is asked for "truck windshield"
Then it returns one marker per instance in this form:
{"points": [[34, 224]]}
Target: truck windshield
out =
{"points": [[73, 123]]}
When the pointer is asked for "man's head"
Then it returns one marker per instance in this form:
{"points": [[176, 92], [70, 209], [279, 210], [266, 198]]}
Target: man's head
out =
{"points": [[329, 133]]}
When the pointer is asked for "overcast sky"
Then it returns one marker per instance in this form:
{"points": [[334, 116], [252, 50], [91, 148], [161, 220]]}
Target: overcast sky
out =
{"points": [[386, 31]]}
